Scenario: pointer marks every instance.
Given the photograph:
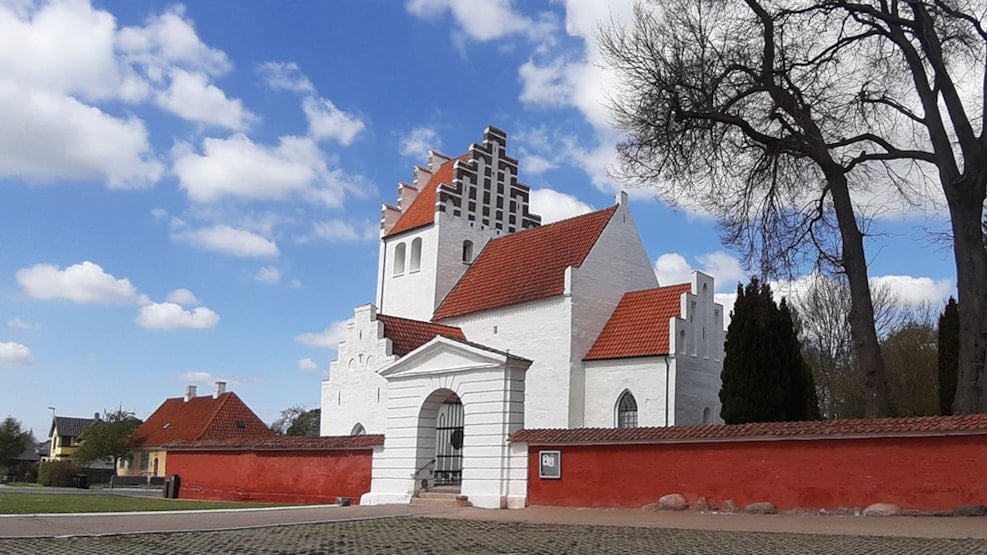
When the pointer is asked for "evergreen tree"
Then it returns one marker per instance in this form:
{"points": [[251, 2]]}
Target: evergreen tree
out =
{"points": [[764, 378], [949, 355]]}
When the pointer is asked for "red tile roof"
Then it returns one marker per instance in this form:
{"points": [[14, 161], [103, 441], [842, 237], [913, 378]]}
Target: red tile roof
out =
{"points": [[407, 335], [912, 426], [525, 266], [205, 417], [422, 209], [280, 443], [639, 325]]}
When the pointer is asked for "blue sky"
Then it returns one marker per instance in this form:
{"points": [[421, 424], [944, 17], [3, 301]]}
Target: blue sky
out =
{"points": [[192, 192]]}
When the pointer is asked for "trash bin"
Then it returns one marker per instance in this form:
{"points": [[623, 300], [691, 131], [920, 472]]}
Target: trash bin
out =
{"points": [[80, 481], [166, 490], [176, 482]]}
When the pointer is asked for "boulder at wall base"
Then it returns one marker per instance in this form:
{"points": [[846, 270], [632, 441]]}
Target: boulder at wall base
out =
{"points": [[728, 506], [882, 509], [760, 508], [970, 510], [701, 505], [673, 502]]}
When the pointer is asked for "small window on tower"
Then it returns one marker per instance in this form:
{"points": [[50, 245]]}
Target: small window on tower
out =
{"points": [[467, 251], [416, 255]]}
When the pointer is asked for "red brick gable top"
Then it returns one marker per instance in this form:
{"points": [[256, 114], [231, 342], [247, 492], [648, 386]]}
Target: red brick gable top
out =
{"points": [[407, 335], [205, 417], [761, 431], [639, 325], [525, 266], [422, 209]]}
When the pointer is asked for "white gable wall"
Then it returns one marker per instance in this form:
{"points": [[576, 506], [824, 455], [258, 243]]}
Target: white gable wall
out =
{"points": [[697, 340], [616, 264], [406, 291], [355, 392]]}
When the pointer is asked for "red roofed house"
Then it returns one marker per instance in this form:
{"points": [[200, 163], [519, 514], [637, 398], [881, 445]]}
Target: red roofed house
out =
{"points": [[487, 321], [220, 416]]}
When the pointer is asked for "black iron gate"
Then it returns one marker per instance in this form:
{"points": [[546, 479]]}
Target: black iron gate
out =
{"points": [[449, 443]]}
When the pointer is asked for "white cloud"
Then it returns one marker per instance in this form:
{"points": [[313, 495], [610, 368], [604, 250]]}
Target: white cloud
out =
{"points": [[268, 274], [53, 136], [418, 142], [915, 291], [168, 40], [170, 316], [192, 97], [545, 85], [206, 379], [326, 121], [183, 297], [229, 240], [85, 282], [21, 324], [285, 76], [328, 338], [487, 20], [307, 364], [672, 268], [15, 354], [238, 167], [553, 206], [340, 231]]}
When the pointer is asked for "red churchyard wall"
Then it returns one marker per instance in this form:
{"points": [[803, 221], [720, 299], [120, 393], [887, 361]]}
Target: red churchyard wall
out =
{"points": [[279, 476], [928, 473]]}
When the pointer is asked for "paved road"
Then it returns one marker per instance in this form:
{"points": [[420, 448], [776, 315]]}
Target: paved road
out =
{"points": [[432, 535]]}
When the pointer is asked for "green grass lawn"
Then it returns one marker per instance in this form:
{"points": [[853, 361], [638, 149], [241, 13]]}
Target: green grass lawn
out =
{"points": [[29, 503]]}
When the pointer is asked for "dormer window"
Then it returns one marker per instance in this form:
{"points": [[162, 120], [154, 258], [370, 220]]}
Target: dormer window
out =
{"points": [[468, 251]]}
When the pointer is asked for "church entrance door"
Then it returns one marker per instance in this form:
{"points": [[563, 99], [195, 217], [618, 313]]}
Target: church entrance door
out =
{"points": [[449, 442]]}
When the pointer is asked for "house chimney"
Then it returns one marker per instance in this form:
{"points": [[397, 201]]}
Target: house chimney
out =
{"points": [[220, 389], [189, 393]]}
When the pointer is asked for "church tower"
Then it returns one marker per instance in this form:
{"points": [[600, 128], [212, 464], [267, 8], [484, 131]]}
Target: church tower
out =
{"points": [[442, 221]]}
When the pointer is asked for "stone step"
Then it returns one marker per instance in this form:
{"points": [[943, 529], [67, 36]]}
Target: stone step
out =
{"points": [[446, 489], [432, 494], [434, 502]]}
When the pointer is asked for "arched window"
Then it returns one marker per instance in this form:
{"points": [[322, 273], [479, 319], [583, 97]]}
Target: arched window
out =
{"points": [[626, 411], [399, 259], [358, 430], [416, 255], [467, 251]]}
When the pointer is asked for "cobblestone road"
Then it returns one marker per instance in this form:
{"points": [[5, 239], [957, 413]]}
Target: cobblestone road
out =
{"points": [[440, 536]]}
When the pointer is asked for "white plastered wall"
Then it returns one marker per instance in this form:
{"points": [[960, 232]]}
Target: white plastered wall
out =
{"points": [[616, 264], [647, 378], [491, 388], [355, 392], [697, 341]]}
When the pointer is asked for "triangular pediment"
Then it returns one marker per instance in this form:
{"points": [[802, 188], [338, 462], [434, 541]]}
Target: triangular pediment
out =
{"points": [[442, 355]]}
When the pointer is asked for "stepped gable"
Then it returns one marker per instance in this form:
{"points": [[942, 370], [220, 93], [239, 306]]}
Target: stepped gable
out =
{"points": [[422, 209], [206, 417], [525, 266], [916, 426], [480, 186], [407, 335], [638, 326]]}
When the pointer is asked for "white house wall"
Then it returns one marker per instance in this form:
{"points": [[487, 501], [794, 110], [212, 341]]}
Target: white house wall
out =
{"points": [[409, 293], [616, 264], [355, 393], [538, 331], [645, 377], [699, 359]]}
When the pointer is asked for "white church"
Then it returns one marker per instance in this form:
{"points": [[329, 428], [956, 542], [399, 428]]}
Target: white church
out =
{"points": [[487, 322]]}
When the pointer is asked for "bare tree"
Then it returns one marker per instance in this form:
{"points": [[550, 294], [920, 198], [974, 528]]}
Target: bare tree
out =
{"points": [[724, 107], [927, 61]]}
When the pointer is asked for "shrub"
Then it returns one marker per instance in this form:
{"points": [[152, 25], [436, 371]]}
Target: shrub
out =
{"points": [[57, 473]]}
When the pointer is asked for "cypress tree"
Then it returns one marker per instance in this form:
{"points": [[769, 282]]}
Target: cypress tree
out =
{"points": [[764, 377], [949, 355]]}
